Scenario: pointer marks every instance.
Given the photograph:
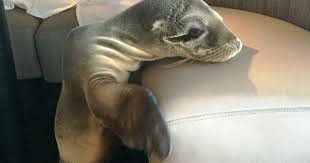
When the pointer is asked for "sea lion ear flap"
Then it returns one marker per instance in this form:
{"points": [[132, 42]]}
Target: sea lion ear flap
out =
{"points": [[159, 26]]}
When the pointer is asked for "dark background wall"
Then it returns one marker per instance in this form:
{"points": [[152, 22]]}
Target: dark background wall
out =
{"points": [[11, 123], [27, 111]]}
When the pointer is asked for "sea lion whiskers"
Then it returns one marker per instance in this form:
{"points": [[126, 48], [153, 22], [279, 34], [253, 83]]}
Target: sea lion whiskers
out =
{"points": [[177, 63]]}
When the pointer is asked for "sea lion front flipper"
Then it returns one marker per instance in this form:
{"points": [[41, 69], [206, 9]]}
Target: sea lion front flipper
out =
{"points": [[132, 113]]}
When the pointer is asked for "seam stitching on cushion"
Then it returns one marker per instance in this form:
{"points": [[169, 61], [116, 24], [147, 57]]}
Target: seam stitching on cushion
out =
{"points": [[191, 119]]}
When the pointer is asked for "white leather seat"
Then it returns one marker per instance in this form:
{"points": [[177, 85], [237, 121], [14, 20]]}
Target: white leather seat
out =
{"points": [[254, 108]]}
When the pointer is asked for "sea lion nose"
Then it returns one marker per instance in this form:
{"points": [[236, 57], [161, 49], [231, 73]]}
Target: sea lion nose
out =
{"points": [[224, 35], [230, 36], [227, 35], [238, 43]]}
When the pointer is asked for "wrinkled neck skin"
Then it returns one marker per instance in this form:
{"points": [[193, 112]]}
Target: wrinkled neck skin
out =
{"points": [[119, 45]]}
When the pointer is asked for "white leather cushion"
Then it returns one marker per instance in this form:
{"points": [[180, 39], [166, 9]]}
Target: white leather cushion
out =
{"points": [[254, 108], [45, 8], [92, 11]]}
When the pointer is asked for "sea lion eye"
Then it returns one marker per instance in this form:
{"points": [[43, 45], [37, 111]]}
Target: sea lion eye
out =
{"points": [[195, 32]]}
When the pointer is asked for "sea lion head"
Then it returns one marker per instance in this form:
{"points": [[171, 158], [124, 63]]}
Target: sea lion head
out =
{"points": [[192, 29]]}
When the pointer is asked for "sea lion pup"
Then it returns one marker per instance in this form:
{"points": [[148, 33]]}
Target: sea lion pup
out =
{"points": [[98, 108]]}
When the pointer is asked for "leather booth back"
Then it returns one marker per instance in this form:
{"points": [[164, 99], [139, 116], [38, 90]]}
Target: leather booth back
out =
{"points": [[293, 11]]}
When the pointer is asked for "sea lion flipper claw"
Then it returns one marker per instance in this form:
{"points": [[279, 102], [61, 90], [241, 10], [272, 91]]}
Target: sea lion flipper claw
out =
{"points": [[132, 113], [144, 127]]}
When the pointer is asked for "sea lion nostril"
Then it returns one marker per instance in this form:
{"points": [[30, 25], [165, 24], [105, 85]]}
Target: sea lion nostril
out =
{"points": [[238, 44]]}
